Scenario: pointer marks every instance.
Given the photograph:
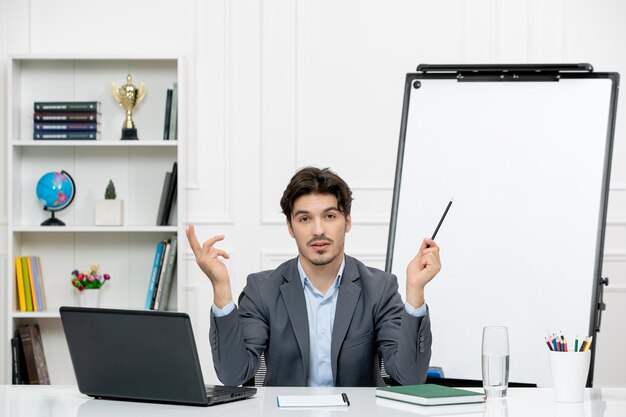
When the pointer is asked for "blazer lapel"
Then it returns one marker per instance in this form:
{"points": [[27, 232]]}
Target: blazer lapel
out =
{"points": [[293, 296], [349, 294]]}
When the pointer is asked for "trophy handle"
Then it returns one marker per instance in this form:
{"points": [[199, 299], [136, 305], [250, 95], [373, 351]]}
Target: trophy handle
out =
{"points": [[115, 92], [141, 92]]}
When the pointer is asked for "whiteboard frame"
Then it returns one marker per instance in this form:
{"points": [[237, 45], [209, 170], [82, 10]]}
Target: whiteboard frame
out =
{"points": [[519, 73]]}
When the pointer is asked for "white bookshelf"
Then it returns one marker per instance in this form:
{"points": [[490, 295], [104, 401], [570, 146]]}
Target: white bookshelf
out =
{"points": [[136, 167]]}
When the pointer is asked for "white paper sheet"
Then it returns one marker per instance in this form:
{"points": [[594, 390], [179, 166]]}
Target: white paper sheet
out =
{"points": [[334, 400]]}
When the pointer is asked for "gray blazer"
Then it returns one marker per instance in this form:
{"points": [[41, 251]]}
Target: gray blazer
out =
{"points": [[370, 320]]}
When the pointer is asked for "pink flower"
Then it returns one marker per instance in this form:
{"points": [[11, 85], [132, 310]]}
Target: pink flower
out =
{"points": [[91, 278], [107, 276]]}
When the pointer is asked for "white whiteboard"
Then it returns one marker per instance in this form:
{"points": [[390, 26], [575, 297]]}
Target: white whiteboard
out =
{"points": [[526, 165]]}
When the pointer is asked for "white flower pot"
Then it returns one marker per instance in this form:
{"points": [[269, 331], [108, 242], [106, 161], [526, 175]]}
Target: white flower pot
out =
{"points": [[109, 212], [89, 297]]}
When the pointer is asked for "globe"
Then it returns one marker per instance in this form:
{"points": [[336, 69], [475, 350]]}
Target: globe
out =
{"points": [[55, 190]]}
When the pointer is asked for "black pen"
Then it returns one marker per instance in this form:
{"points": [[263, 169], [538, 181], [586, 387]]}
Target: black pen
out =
{"points": [[441, 221], [345, 398]]}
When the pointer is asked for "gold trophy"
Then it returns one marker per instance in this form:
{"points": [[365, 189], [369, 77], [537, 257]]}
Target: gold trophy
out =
{"points": [[129, 97]]}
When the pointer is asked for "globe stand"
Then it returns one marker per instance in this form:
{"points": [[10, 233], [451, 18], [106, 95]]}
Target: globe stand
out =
{"points": [[53, 221]]}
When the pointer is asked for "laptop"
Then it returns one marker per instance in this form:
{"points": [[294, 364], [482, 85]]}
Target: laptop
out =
{"points": [[139, 355]]}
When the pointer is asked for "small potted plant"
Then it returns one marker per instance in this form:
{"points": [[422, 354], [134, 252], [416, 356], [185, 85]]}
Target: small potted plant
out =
{"points": [[110, 211], [88, 284]]}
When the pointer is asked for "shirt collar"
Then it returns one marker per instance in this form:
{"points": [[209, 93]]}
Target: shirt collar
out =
{"points": [[304, 279]]}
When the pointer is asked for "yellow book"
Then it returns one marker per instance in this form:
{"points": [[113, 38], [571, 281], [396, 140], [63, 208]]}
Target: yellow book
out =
{"points": [[27, 294], [20, 284]]}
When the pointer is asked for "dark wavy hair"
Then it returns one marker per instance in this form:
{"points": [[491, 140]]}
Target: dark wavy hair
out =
{"points": [[312, 180]]}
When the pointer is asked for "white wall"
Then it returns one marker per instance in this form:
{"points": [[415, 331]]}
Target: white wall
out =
{"points": [[276, 85]]}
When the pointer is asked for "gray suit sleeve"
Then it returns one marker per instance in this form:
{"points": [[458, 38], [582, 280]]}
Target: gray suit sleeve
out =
{"points": [[239, 338], [403, 340]]}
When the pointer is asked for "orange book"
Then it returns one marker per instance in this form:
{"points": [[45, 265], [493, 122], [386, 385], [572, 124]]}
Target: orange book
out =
{"points": [[19, 278], [33, 285], [33, 289]]}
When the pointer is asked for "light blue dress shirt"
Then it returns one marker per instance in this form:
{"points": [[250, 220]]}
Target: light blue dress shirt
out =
{"points": [[321, 315], [320, 309]]}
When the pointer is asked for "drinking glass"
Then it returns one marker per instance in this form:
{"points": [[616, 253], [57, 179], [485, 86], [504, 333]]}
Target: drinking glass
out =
{"points": [[495, 361]]}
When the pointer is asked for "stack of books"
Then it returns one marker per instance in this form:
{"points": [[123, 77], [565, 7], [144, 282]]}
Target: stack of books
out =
{"points": [[162, 275], [67, 120], [29, 361], [29, 279]]}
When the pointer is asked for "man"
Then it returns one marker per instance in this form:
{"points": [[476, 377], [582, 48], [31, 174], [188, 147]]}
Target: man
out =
{"points": [[323, 318]]}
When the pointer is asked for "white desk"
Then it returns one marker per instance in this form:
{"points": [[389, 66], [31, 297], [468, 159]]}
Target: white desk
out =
{"points": [[66, 401]]}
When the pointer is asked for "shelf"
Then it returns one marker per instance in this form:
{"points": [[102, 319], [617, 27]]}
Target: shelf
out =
{"points": [[36, 315], [136, 167], [91, 229], [97, 143]]}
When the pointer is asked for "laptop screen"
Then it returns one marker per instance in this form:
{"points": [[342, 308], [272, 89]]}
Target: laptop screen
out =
{"points": [[132, 354]]}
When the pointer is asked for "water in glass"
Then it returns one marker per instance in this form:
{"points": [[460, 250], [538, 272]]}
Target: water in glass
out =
{"points": [[495, 354], [495, 375]]}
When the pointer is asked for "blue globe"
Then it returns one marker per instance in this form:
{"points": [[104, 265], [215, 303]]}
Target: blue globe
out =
{"points": [[56, 191]]}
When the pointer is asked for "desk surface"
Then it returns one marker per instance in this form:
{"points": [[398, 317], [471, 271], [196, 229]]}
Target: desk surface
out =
{"points": [[66, 401]]}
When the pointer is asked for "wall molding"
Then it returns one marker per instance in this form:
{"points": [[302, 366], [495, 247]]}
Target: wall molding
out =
{"points": [[614, 256], [209, 219], [278, 101], [616, 220], [223, 129]]}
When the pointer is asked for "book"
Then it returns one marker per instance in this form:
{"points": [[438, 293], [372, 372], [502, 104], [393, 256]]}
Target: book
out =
{"points": [[168, 276], [26, 279], [168, 195], [33, 290], [19, 278], [430, 394], [154, 275], [174, 114], [159, 284], [60, 117], [34, 286], [67, 135], [171, 195], [34, 354], [18, 365], [72, 127], [67, 106], [168, 112], [34, 265], [40, 278], [393, 406], [166, 186]]}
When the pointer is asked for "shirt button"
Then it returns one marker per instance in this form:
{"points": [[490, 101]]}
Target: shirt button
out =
{"points": [[324, 358], [323, 331]]}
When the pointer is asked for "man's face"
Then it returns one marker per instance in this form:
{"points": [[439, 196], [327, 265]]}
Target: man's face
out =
{"points": [[319, 228]]}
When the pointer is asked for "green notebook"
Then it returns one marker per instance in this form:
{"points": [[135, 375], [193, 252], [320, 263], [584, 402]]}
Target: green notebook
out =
{"points": [[430, 394]]}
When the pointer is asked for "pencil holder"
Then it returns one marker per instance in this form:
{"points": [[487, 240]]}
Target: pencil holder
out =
{"points": [[569, 375]]}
